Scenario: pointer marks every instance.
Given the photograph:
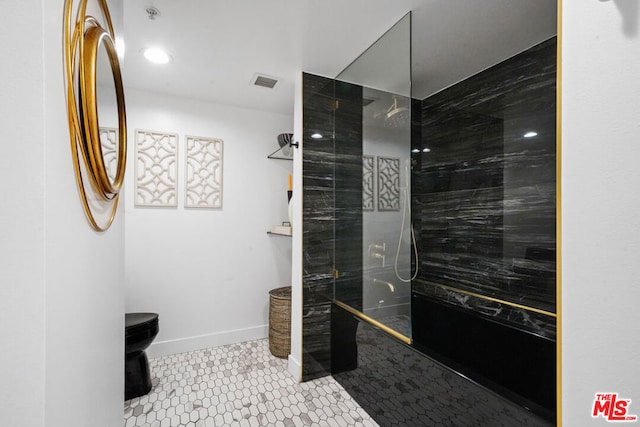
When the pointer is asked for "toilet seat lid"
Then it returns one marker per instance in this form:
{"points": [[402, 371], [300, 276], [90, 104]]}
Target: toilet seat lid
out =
{"points": [[137, 320]]}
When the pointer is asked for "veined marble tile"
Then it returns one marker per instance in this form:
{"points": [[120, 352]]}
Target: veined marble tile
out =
{"points": [[484, 198]]}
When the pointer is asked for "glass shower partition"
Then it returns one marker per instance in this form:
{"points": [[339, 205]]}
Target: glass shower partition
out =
{"points": [[374, 245], [475, 159]]}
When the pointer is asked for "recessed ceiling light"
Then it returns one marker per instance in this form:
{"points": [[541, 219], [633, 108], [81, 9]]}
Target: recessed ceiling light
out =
{"points": [[426, 150], [530, 134], [415, 150], [156, 55], [316, 135]]}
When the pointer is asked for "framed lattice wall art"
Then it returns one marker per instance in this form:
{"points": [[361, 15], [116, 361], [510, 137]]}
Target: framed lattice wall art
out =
{"points": [[388, 184], [203, 173], [109, 144], [368, 171], [156, 168]]}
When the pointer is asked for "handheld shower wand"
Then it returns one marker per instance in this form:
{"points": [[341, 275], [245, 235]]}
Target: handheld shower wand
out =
{"points": [[405, 208]]}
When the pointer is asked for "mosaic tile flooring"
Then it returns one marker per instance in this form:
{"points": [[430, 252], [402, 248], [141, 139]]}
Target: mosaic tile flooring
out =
{"points": [[399, 323], [239, 385]]}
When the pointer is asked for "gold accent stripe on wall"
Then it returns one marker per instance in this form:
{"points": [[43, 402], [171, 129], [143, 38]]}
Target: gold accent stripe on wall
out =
{"points": [[498, 300], [374, 322], [559, 219]]}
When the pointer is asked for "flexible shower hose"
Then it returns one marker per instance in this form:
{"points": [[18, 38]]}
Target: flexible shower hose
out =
{"points": [[413, 241]]}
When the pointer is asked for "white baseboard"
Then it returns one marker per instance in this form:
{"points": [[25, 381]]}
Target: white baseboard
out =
{"points": [[183, 345], [295, 368]]}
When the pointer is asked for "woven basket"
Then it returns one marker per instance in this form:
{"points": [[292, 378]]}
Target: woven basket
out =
{"points": [[280, 321]]}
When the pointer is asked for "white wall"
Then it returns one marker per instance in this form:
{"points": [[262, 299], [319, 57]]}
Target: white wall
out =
{"points": [[84, 272], [208, 272], [600, 205], [295, 358], [22, 272], [62, 295]]}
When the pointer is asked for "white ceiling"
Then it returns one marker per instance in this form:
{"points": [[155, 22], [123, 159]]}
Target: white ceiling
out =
{"points": [[218, 45]]}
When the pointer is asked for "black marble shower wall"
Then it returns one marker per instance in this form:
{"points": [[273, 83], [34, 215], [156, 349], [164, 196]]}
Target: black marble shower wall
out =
{"points": [[332, 212], [484, 196], [483, 206], [318, 214], [348, 194]]}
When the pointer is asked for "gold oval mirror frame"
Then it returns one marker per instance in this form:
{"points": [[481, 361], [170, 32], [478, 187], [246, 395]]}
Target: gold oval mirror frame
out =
{"points": [[97, 38], [84, 36]]}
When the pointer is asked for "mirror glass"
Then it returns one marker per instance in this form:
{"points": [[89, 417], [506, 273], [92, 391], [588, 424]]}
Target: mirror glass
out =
{"points": [[107, 110]]}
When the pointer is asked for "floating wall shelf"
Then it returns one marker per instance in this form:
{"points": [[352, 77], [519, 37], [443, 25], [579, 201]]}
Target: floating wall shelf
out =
{"points": [[281, 230], [282, 154]]}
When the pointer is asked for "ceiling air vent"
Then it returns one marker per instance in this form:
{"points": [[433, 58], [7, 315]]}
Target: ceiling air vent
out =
{"points": [[264, 81]]}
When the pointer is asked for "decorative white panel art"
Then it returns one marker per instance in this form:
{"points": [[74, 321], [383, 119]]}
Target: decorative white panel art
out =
{"points": [[368, 170], [203, 175], [156, 168], [388, 184], [109, 143]]}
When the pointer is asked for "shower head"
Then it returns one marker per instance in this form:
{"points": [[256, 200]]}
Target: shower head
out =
{"points": [[395, 109], [397, 115]]}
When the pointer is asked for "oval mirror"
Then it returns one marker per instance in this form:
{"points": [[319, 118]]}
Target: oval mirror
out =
{"points": [[105, 127]]}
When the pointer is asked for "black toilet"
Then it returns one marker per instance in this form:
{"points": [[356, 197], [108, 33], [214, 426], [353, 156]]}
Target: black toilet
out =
{"points": [[140, 331]]}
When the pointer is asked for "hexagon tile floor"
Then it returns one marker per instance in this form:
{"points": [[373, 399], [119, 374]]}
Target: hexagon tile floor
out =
{"points": [[238, 385]]}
